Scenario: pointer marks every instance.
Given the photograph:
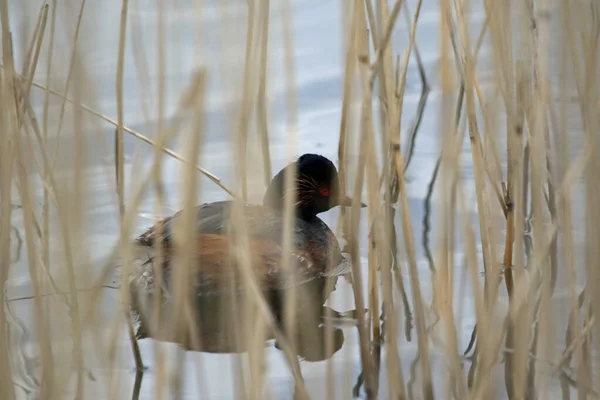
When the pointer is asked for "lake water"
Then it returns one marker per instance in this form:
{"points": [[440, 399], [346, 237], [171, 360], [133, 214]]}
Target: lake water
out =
{"points": [[207, 38]]}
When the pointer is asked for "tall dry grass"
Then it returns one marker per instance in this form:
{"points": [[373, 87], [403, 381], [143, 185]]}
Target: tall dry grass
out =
{"points": [[529, 254]]}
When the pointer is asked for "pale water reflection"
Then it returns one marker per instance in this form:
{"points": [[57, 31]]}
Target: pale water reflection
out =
{"points": [[196, 39]]}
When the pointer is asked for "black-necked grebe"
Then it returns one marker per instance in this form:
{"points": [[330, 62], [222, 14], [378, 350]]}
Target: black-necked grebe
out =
{"points": [[316, 252]]}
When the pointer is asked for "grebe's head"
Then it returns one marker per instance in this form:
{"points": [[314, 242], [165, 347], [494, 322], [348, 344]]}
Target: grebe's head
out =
{"points": [[316, 185]]}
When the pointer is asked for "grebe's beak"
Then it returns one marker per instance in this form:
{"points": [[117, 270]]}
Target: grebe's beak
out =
{"points": [[346, 201]]}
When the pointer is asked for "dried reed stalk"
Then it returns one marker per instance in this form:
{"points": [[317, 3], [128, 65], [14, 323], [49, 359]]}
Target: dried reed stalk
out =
{"points": [[529, 180]]}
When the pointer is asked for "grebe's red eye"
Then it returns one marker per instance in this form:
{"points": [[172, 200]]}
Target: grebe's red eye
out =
{"points": [[324, 191]]}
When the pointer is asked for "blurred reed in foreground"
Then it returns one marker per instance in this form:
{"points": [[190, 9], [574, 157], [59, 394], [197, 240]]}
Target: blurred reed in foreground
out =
{"points": [[531, 170]]}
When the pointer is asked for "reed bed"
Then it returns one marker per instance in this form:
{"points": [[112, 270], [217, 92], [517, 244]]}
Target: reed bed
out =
{"points": [[491, 293]]}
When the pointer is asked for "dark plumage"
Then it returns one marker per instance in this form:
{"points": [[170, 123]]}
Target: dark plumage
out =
{"points": [[315, 254]]}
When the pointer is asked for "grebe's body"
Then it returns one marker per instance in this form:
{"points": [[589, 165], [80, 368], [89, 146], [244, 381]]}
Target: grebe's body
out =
{"points": [[315, 253]]}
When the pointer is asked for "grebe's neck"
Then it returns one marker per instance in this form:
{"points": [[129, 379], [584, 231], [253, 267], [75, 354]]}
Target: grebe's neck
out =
{"points": [[274, 197]]}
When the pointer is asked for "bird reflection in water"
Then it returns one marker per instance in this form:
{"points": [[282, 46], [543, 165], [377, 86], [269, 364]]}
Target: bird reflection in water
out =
{"points": [[217, 322], [221, 335]]}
